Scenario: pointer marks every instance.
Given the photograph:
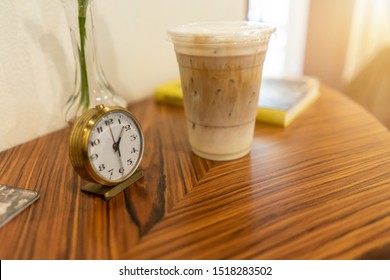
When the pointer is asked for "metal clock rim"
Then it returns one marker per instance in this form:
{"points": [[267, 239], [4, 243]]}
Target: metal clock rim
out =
{"points": [[87, 122]]}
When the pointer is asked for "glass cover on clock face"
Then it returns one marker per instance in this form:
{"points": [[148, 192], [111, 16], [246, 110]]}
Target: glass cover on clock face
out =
{"points": [[115, 146]]}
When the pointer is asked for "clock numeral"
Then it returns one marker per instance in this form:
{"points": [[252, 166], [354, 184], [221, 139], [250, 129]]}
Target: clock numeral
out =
{"points": [[121, 170], [109, 121], [95, 142], [134, 150], [130, 162], [99, 129], [102, 167], [119, 121], [94, 157], [111, 171], [133, 137], [128, 127]]}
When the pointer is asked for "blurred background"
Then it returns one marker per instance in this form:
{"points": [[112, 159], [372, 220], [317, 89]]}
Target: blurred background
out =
{"points": [[345, 44]]}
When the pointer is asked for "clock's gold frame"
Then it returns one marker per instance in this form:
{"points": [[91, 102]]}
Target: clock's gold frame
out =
{"points": [[79, 140]]}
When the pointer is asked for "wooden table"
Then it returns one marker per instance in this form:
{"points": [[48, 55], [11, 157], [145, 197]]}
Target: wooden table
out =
{"points": [[319, 189]]}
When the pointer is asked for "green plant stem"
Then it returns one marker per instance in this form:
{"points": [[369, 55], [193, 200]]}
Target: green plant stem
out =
{"points": [[84, 100]]}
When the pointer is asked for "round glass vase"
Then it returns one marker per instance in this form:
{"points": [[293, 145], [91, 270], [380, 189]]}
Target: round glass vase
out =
{"points": [[90, 85]]}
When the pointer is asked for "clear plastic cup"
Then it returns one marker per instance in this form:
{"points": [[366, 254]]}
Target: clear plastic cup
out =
{"points": [[220, 67]]}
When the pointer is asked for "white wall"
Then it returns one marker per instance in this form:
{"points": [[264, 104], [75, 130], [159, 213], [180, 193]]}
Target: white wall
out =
{"points": [[36, 59]]}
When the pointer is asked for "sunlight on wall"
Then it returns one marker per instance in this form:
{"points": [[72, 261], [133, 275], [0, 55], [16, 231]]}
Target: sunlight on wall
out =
{"points": [[370, 34], [286, 50]]}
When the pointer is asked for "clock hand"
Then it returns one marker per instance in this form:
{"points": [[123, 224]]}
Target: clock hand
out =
{"points": [[119, 151], [120, 136], [114, 145], [120, 161], [118, 142]]}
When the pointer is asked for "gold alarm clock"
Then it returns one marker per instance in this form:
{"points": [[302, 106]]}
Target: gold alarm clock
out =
{"points": [[106, 145]]}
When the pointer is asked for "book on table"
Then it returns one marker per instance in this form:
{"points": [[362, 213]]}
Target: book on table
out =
{"points": [[281, 100]]}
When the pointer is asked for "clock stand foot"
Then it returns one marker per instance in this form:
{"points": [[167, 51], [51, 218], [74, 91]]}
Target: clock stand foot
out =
{"points": [[109, 192]]}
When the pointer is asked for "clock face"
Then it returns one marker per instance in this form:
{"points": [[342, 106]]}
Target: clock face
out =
{"points": [[115, 146]]}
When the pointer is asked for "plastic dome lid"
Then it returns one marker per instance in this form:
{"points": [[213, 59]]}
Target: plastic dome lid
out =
{"points": [[220, 32]]}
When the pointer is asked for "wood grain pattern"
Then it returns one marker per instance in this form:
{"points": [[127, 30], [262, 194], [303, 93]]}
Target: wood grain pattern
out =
{"points": [[318, 189]]}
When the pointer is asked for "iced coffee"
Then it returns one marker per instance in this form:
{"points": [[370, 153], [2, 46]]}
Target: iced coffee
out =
{"points": [[221, 69]]}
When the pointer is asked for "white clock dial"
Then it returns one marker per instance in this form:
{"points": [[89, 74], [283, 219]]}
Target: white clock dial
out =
{"points": [[115, 146]]}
